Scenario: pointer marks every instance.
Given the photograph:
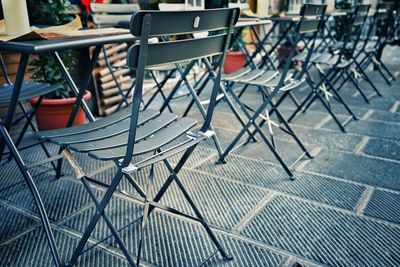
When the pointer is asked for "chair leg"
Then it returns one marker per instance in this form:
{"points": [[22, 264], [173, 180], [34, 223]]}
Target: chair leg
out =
{"points": [[368, 80], [36, 196], [393, 78], [101, 211], [29, 117], [252, 121], [100, 207], [290, 130], [355, 82], [328, 108], [202, 220], [145, 217], [307, 102], [159, 86]]}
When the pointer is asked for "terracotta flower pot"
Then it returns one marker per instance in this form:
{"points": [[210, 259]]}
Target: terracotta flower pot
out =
{"points": [[234, 61], [54, 113]]}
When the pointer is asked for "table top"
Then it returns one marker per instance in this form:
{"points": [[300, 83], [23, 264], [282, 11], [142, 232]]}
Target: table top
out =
{"points": [[48, 46]]}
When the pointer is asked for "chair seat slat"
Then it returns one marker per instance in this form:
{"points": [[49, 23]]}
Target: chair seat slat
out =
{"points": [[265, 77], [144, 131], [113, 118], [160, 139]]}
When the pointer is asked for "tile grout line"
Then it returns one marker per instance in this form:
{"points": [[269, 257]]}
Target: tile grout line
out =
{"points": [[368, 114], [310, 201], [321, 174], [322, 123], [315, 152], [362, 154], [221, 230], [395, 106], [254, 212], [206, 159], [364, 200], [360, 146]]}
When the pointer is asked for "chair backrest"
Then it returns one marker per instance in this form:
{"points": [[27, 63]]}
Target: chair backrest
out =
{"points": [[112, 14], [357, 22], [383, 20], [311, 19], [146, 24]]}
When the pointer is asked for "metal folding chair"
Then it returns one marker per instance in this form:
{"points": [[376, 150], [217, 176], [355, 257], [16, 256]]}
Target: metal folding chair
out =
{"points": [[340, 64], [272, 82], [29, 90], [132, 132], [379, 34]]}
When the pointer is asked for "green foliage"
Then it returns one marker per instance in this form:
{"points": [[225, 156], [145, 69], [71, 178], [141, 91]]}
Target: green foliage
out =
{"points": [[342, 25], [51, 13], [48, 12]]}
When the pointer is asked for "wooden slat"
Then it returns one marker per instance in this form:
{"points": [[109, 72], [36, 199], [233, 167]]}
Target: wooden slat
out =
{"points": [[119, 63], [114, 49], [112, 100], [113, 59], [111, 84], [114, 91], [117, 73]]}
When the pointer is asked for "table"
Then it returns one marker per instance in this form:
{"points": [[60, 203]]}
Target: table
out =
{"points": [[27, 48]]}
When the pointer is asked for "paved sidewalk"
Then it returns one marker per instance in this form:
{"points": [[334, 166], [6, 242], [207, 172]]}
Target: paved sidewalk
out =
{"points": [[342, 210]]}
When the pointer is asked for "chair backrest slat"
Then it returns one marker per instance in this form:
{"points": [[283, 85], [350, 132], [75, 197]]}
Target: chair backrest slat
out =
{"points": [[114, 8], [363, 8], [181, 22], [188, 50], [112, 14], [309, 26], [312, 10], [358, 20]]}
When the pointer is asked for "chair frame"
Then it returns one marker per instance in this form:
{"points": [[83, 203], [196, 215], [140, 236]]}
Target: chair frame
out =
{"points": [[270, 91], [325, 87], [144, 25]]}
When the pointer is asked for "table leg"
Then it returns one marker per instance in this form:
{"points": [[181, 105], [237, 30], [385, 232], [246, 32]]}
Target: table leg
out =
{"points": [[7, 141], [14, 97]]}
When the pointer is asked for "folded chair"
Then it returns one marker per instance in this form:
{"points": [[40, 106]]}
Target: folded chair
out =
{"points": [[154, 136], [29, 90], [271, 83], [340, 64]]}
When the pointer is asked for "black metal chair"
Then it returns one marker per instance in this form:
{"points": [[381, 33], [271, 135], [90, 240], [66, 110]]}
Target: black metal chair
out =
{"points": [[29, 90], [339, 64], [131, 132], [271, 83], [379, 34]]}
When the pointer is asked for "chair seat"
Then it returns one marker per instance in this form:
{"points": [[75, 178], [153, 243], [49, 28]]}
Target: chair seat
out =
{"points": [[235, 75], [323, 58], [303, 55], [28, 90], [249, 76], [106, 139], [331, 60], [265, 77], [273, 83]]}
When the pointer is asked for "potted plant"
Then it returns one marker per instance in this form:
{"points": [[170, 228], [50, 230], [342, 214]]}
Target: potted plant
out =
{"points": [[235, 57], [55, 109]]}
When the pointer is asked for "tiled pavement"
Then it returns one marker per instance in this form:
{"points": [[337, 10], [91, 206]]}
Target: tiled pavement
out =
{"points": [[342, 210]]}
